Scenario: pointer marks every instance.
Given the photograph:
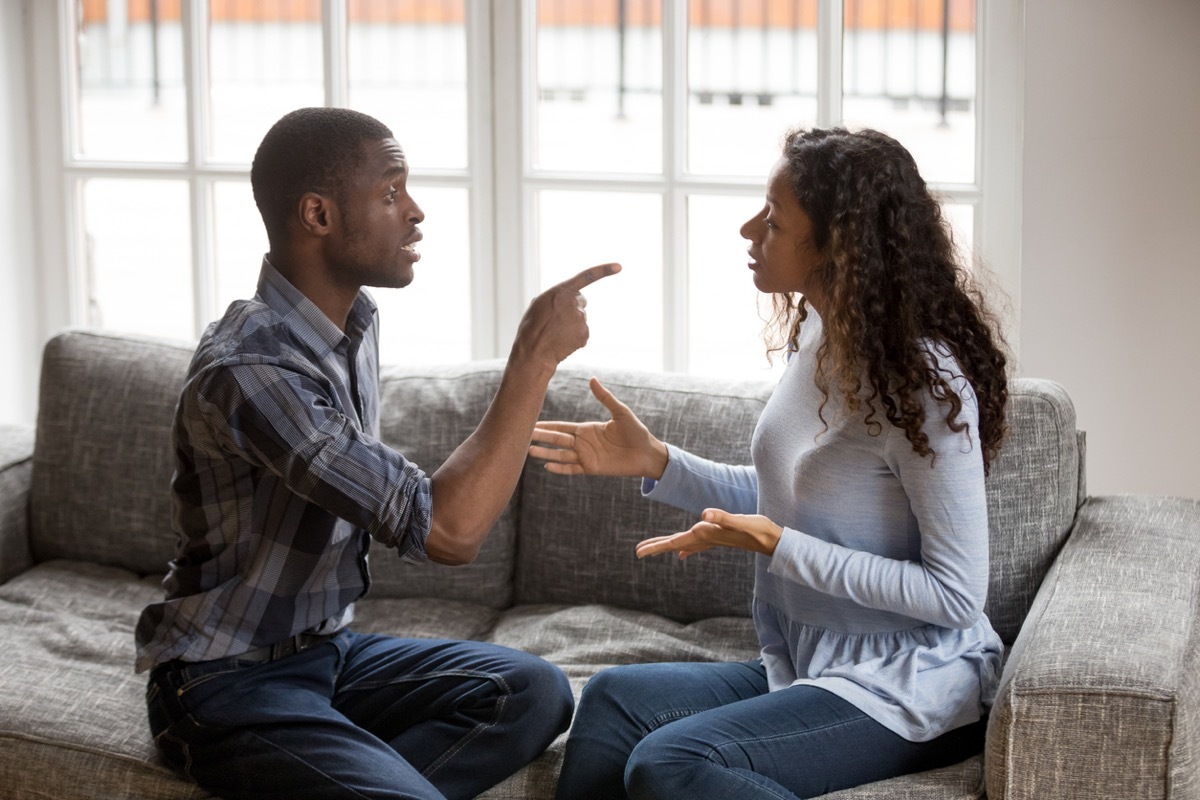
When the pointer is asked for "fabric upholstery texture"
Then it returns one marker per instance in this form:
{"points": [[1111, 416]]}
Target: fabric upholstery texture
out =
{"points": [[16, 451], [578, 533], [102, 463], [426, 413], [1033, 488], [1111, 645], [1101, 695]]}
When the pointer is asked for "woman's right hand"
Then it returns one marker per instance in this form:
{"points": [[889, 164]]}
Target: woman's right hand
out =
{"points": [[620, 446]]}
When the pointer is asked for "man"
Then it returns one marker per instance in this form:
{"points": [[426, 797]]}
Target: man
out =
{"points": [[257, 687]]}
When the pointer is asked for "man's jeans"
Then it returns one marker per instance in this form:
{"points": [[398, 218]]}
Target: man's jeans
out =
{"points": [[359, 716], [702, 730]]}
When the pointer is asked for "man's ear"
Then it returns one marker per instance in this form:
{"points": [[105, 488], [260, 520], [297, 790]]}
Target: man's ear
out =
{"points": [[317, 213]]}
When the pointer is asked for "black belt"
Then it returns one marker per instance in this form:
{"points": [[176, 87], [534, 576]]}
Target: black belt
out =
{"points": [[289, 646]]}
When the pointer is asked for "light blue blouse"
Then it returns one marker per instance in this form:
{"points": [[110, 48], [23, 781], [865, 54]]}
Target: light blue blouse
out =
{"points": [[876, 589]]}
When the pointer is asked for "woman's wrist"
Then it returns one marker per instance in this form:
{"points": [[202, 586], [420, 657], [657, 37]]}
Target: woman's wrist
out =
{"points": [[661, 456]]}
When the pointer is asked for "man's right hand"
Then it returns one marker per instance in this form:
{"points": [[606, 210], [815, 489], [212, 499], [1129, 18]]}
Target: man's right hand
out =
{"points": [[555, 324]]}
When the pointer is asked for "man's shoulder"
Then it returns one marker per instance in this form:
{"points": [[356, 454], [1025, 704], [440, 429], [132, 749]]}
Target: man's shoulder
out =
{"points": [[251, 336], [249, 332]]}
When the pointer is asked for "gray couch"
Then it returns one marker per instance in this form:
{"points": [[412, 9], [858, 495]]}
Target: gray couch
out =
{"points": [[1096, 596]]}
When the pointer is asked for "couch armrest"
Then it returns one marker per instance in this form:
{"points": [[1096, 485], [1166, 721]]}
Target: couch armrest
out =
{"points": [[1101, 693], [16, 466]]}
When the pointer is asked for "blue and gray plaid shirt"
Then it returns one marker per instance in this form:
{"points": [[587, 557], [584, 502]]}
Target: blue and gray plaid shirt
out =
{"points": [[280, 481]]}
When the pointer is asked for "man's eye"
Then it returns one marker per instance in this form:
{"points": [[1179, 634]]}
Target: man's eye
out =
{"points": [[391, 196]]}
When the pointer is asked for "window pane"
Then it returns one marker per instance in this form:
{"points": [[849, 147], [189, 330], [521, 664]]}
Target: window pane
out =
{"points": [[265, 59], [962, 227], [599, 86], [726, 312], [408, 68], [752, 75], [138, 256], [131, 98], [239, 242], [579, 229], [429, 321], [909, 70]]}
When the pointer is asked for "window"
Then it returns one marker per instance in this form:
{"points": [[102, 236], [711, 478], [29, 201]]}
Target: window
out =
{"points": [[544, 136]]}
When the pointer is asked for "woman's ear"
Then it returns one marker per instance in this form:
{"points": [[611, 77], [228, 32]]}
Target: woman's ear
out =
{"points": [[316, 213]]}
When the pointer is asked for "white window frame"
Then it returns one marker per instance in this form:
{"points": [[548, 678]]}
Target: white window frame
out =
{"points": [[500, 38]]}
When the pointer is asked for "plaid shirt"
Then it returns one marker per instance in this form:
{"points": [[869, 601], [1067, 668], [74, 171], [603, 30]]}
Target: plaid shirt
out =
{"points": [[280, 481]]}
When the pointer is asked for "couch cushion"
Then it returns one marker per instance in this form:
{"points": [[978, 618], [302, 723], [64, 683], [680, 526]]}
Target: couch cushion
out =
{"points": [[70, 703], [426, 413], [578, 533], [1033, 490], [102, 464]]}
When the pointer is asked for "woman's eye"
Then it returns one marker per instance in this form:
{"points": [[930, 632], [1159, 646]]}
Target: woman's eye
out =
{"points": [[391, 196]]}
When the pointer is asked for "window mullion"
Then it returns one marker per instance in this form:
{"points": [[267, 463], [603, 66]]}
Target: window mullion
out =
{"points": [[514, 275], [194, 19], [830, 31], [335, 52], [674, 198], [485, 339]]}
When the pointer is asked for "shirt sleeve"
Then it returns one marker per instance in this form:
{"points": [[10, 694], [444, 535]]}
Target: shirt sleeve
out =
{"points": [[693, 484], [283, 420], [948, 585]]}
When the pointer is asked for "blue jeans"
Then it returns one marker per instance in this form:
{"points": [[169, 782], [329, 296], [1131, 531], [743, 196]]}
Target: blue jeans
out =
{"points": [[703, 730], [359, 716]]}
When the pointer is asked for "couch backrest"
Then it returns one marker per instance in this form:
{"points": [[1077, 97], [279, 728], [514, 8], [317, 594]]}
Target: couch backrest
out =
{"points": [[102, 468], [578, 533], [1035, 486], [103, 460]]}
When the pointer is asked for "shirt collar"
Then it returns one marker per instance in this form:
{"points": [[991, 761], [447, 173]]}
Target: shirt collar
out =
{"points": [[305, 319]]}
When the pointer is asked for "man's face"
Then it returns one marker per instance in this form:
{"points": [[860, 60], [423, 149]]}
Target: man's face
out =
{"points": [[374, 245]]}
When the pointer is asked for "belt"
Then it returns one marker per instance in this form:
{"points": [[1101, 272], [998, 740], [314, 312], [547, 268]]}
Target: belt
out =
{"points": [[289, 646]]}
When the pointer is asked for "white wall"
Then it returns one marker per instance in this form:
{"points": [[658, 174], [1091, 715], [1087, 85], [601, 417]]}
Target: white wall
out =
{"points": [[1110, 274], [20, 342]]}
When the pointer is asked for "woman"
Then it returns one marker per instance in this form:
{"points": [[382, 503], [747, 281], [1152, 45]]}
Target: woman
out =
{"points": [[865, 504]]}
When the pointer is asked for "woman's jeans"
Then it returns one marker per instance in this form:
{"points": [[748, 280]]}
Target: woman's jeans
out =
{"points": [[359, 716], [703, 730]]}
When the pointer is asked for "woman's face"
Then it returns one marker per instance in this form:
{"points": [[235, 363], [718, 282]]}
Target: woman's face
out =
{"points": [[782, 255]]}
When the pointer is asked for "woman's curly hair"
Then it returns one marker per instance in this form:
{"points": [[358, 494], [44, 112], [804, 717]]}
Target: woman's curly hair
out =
{"points": [[891, 285]]}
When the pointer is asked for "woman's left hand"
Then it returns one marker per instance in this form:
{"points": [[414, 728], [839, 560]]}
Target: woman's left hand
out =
{"points": [[717, 528]]}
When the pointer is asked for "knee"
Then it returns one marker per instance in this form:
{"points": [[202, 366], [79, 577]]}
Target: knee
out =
{"points": [[542, 693], [660, 766], [610, 688]]}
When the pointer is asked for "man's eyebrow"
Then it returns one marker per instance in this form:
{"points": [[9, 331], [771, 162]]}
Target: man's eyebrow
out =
{"points": [[394, 171]]}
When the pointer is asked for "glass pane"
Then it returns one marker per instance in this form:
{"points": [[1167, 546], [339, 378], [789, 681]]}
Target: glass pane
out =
{"points": [[579, 229], [138, 256], [265, 59], [429, 321], [599, 86], [909, 70], [239, 243], [726, 312], [408, 68], [752, 75], [962, 227], [132, 104]]}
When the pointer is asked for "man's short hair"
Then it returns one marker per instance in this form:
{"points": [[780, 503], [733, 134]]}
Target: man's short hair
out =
{"points": [[308, 150]]}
